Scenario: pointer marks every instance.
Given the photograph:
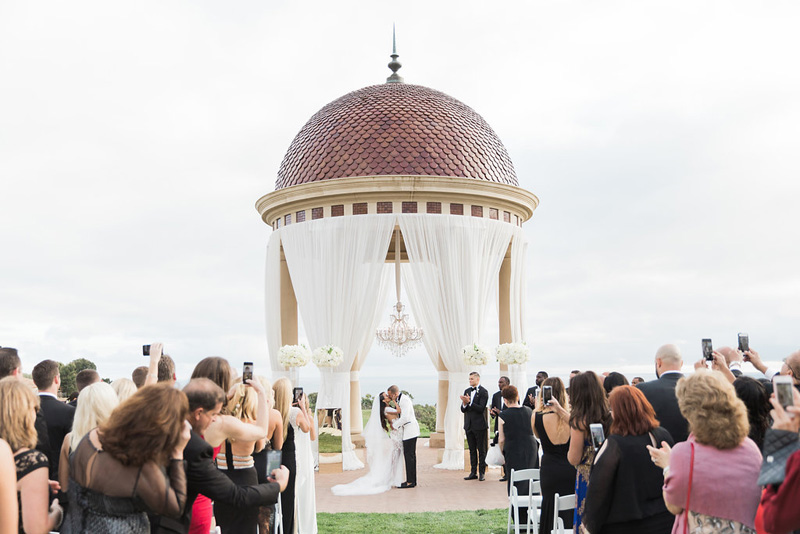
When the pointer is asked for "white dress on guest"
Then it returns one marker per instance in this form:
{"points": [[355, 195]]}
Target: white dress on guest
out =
{"points": [[305, 500]]}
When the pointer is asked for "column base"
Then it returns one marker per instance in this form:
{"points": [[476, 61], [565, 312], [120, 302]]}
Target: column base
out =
{"points": [[437, 440], [358, 440]]}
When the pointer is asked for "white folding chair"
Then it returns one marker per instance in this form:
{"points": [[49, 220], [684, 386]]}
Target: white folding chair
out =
{"points": [[278, 517], [532, 500], [567, 502]]}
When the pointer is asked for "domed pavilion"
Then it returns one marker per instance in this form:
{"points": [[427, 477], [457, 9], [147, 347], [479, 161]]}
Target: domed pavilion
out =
{"points": [[395, 172]]}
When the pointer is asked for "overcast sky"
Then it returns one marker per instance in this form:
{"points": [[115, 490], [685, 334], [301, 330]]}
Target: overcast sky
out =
{"points": [[660, 137]]}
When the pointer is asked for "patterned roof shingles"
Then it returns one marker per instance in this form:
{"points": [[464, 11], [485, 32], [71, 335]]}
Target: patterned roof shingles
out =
{"points": [[395, 129]]}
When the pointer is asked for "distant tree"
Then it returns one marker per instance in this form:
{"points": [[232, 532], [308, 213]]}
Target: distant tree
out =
{"points": [[107, 380], [312, 401], [366, 401], [426, 416], [404, 392], [68, 373]]}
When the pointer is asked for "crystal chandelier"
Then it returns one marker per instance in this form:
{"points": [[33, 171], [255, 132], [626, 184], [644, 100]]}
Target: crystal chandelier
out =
{"points": [[399, 336]]}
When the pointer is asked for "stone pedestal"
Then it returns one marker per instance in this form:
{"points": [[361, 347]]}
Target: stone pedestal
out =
{"points": [[437, 441]]}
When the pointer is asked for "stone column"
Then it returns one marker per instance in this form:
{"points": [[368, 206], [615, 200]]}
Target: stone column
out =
{"points": [[356, 421], [288, 306], [504, 305], [437, 438]]}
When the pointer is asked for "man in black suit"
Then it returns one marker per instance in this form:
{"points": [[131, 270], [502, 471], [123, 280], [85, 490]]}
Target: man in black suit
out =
{"points": [[473, 406], [57, 414], [202, 476], [498, 405], [533, 391], [661, 392]]}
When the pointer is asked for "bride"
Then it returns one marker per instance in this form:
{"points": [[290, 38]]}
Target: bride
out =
{"points": [[384, 453]]}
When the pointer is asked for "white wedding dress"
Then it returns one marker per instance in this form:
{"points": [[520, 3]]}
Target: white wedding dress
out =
{"points": [[384, 458]]}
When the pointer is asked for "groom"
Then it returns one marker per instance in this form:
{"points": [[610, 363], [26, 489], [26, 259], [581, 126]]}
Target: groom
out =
{"points": [[407, 424]]}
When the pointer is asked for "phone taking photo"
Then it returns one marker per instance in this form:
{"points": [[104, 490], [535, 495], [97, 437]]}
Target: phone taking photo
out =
{"points": [[296, 394], [598, 435], [273, 462], [783, 386], [744, 342], [708, 350], [547, 394], [247, 371]]}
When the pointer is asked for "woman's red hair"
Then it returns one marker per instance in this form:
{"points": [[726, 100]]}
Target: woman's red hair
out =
{"points": [[633, 414]]}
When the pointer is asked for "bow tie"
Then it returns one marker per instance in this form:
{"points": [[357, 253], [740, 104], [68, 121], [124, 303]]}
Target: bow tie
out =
{"points": [[473, 389]]}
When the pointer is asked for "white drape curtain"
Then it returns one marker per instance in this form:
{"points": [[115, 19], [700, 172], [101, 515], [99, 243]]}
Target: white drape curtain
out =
{"points": [[272, 294], [454, 263], [336, 266], [519, 247]]}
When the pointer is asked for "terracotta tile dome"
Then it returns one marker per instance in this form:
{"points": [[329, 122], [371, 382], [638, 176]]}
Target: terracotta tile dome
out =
{"points": [[395, 129]]}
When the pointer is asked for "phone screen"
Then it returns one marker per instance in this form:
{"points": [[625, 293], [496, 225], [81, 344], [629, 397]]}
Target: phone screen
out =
{"points": [[707, 350], [247, 372], [744, 342], [598, 435], [145, 350], [547, 394], [296, 394], [273, 461], [783, 390]]}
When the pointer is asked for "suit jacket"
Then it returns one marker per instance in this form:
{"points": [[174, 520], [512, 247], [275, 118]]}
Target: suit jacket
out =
{"points": [[497, 402], [533, 390], [661, 394], [475, 411], [202, 476], [407, 421], [58, 417]]}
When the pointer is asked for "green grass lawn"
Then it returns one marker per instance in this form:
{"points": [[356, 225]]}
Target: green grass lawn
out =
{"points": [[454, 522]]}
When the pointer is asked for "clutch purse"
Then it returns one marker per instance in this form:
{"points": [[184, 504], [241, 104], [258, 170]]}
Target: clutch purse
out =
{"points": [[778, 446]]}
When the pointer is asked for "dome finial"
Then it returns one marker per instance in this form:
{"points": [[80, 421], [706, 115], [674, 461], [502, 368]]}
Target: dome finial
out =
{"points": [[394, 64]]}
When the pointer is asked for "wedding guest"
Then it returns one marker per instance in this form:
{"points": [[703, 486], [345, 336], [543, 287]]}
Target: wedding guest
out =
{"points": [[124, 388], [18, 405], [473, 406], [116, 471], [497, 406], [205, 403], [304, 433], [660, 393], [551, 426], [98, 401], [719, 458], [139, 375], [637, 380], [754, 396], [236, 462], [57, 415], [274, 442], [624, 494], [533, 391], [9, 515], [613, 380], [589, 405], [516, 440], [779, 510], [283, 403], [84, 378]]}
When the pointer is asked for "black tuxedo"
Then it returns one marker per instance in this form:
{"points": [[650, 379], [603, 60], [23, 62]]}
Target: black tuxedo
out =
{"points": [[477, 428], [58, 417], [497, 402], [533, 390], [661, 394], [202, 476]]}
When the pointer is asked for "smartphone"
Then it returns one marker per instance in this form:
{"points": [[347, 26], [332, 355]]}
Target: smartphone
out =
{"points": [[744, 342], [708, 350], [145, 350], [247, 372], [783, 385], [598, 435], [273, 461], [547, 394], [296, 394]]}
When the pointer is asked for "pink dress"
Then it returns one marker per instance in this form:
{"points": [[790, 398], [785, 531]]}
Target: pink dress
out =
{"points": [[202, 510]]}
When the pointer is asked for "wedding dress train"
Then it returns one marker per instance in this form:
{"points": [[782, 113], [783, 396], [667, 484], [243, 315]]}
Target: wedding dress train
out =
{"points": [[384, 458]]}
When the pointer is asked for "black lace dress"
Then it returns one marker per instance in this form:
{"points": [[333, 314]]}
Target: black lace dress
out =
{"points": [[27, 462], [557, 476]]}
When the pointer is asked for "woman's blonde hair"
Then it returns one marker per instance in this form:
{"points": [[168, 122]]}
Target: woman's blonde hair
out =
{"points": [[283, 400], [17, 427], [124, 388], [97, 401], [716, 415], [244, 404]]}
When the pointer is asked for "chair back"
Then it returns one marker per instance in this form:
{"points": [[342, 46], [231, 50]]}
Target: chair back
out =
{"points": [[567, 502]]}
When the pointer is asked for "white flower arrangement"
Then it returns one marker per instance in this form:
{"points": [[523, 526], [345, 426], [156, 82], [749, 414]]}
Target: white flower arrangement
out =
{"points": [[327, 356], [513, 353], [293, 356], [475, 355]]}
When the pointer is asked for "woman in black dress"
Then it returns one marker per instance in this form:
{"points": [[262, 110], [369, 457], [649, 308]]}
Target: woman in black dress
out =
{"points": [[283, 402], [551, 426], [517, 442], [625, 487]]}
